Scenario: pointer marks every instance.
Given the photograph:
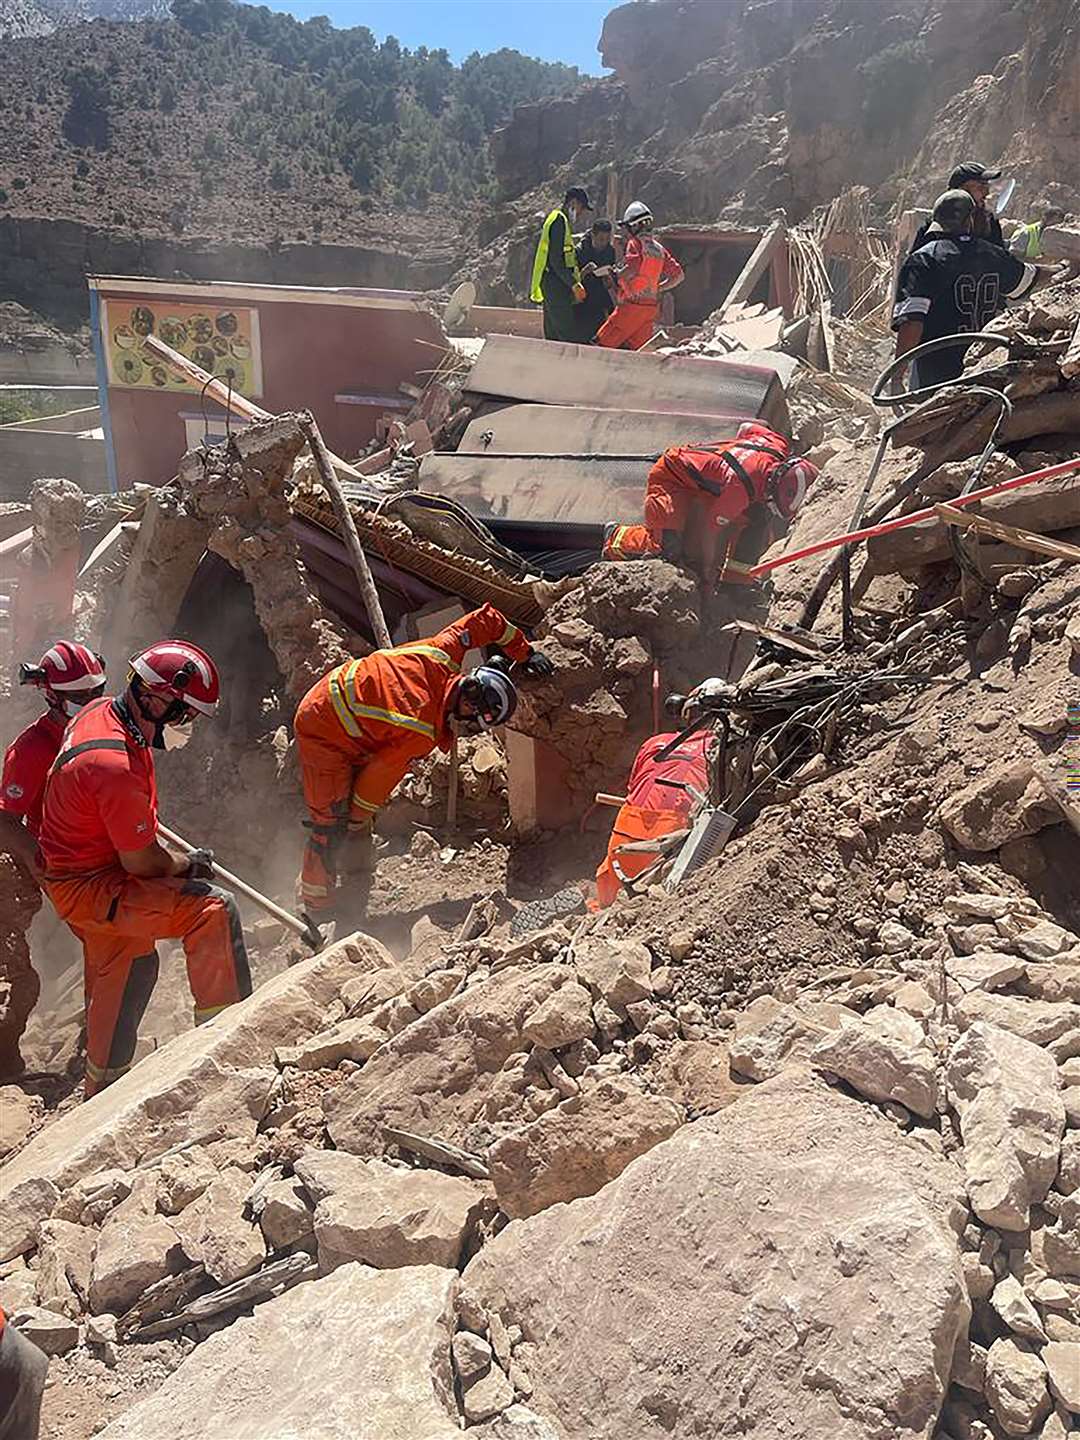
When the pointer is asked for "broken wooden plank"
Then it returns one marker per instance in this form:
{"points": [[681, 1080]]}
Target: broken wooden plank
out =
{"points": [[554, 372], [503, 487], [760, 260], [440, 1151], [288, 1271], [164, 1295], [1011, 534], [572, 429]]}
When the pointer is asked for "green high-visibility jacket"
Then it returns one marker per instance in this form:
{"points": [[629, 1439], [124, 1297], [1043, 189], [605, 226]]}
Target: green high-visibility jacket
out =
{"points": [[564, 266], [1026, 242]]}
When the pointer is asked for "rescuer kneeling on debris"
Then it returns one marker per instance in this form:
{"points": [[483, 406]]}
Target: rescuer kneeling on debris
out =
{"points": [[118, 889], [702, 501], [648, 270], [359, 728], [652, 809]]}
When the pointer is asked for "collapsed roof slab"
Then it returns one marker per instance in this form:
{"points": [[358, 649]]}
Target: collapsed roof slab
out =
{"points": [[575, 430], [557, 373], [502, 487]]}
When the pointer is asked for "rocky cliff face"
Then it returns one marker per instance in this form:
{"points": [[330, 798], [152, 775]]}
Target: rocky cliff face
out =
{"points": [[728, 112]]}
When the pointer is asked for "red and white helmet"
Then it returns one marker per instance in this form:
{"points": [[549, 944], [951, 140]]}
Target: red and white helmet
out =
{"points": [[789, 483], [177, 670], [69, 673]]}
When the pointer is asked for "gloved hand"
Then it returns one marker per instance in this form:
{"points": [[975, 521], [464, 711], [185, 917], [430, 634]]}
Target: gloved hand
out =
{"points": [[578, 293], [498, 661], [537, 666], [200, 865]]}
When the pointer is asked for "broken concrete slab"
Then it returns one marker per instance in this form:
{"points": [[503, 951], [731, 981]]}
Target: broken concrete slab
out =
{"points": [[366, 1353], [201, 1085], [579, 430], [557, 373]]}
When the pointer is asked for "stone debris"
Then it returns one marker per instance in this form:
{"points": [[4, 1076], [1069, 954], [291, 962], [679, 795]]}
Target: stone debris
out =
{"points": [[388, 1216], [1016, 1386], [54, 1334], [393, 1327], [1062, 1363], [214, 1233], [884, 1055], [580, 1145], [1011, 1121]]}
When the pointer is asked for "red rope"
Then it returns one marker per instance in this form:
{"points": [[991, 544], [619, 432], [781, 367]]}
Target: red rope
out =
{"points": [[916, 517]]}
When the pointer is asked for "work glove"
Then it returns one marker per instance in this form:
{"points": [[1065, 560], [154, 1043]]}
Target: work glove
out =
{"points": [[537, 666], [497, 660], [578, 293], [200, 865]]}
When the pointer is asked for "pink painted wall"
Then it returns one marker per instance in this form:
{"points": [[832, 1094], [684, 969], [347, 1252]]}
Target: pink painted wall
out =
{"points": [[310, 353]]}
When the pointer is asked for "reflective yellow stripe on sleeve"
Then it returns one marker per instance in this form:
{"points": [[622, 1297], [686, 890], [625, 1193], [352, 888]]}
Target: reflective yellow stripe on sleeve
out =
{"points": [[510, 633], [431, 651]]}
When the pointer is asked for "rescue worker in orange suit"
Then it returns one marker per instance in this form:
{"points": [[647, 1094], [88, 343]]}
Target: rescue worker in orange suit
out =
{"points": [[651, 809], [108, 876], [648, 270], [359, 728], [69, 675], [702, 500]]}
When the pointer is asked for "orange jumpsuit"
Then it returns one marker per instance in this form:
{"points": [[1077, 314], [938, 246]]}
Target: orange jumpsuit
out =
{"points": [[630, 325], [101, 798], [359, 728], [651, 810], [697, 490]]}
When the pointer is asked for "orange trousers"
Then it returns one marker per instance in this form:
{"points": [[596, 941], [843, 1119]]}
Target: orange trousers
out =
{"points": [[628, 327], [329, 760], [631, 823], [118, 917]]}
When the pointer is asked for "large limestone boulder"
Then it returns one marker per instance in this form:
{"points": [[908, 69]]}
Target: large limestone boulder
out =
{"points": [[135, 1249], [360, 1355], [210, 1082], [579, 1146], [737, 1278], [386, 1215], [1012, 1117], [434, 1076], [1040, 1021]]}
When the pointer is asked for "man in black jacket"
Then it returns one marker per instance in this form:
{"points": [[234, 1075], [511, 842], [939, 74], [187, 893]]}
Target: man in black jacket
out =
{"points": [[596, 261], [954, 284]]}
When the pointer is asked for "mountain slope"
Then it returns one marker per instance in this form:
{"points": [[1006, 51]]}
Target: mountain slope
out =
{"points": [[240, 124]]}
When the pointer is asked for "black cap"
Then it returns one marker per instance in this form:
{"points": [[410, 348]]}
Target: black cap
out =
{"points": [[971, 170], [953, 209], [581, 196]]}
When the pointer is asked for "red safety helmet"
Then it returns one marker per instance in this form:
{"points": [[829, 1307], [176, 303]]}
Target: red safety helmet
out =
{"points": [[69, 673], [179, 671], [788, 485]]}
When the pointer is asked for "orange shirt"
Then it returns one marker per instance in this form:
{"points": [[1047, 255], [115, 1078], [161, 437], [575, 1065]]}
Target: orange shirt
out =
{"points": [[646, 263], [101, 795], [26, 767], [687, 763], [393, 703]]}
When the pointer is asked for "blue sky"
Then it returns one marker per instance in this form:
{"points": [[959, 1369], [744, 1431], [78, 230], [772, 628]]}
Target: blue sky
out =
{"points": [[564, 30]]}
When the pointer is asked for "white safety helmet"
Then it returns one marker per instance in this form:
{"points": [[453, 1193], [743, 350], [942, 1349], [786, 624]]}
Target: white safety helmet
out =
{"points": [[637, 216]]}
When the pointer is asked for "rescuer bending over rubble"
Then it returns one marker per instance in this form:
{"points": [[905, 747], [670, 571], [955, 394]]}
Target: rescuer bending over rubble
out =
{"points": [[652, 809], [105, 872], [703, 501], [359, 728]]}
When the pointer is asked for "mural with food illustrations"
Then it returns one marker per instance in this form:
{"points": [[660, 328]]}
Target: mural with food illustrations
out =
{"points": [[222, 340]]}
